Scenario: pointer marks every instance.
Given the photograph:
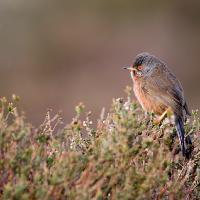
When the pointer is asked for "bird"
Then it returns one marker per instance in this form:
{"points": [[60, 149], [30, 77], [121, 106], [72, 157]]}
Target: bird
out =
{"points": [[160, 92]]}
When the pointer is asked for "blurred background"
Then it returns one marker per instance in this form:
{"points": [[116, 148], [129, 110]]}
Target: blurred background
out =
{"points": [[56, 53]]}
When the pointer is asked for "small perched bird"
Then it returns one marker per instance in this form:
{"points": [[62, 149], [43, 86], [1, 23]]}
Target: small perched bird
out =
{"points": [[159, 91]]}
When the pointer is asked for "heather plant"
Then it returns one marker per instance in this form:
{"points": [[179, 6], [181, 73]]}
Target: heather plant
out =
{"points": [[123, 156]]}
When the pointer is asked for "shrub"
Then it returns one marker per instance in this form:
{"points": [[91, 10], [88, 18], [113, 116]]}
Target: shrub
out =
{"points": [[124, 157]]}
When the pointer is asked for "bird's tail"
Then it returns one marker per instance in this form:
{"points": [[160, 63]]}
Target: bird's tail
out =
{"points": [[181, 133]]}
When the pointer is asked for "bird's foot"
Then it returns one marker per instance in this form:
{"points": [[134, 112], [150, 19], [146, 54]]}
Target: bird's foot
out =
{"points": [[158, 120]]}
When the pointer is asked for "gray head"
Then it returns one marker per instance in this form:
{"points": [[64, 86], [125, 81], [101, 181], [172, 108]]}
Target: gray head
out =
{"points": [[141, 59], [144, 62]]}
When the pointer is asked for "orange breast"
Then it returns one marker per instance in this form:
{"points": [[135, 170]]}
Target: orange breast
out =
{"points": [[148, 103]]}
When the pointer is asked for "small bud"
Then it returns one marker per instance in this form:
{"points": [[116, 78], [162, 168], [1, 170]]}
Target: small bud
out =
{"points": [[3, 99], [10, 107], [80, 108], [128, 90], [15, 97]]}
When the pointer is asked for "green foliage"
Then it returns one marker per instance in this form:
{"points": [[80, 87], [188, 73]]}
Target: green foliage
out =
{"points": [[124, 157]]}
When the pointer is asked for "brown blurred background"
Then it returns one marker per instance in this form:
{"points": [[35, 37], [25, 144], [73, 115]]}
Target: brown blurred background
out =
{"points": [[54, 54]]}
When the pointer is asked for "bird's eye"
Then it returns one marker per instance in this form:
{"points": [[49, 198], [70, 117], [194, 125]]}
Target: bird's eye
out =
{"points": [[140, 67]]}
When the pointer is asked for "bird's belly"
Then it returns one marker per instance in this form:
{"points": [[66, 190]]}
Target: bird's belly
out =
{"points": [[149, 103]]}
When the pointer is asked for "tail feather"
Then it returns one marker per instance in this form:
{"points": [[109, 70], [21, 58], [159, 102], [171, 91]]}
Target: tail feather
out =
{"points": [[181, 133]]}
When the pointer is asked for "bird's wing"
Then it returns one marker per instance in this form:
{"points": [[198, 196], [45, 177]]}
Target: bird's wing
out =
{"points": [[162, 85]]}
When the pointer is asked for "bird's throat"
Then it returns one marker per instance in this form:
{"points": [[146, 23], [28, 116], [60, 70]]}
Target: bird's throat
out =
{"points": [[135, 75], [132, 74]]}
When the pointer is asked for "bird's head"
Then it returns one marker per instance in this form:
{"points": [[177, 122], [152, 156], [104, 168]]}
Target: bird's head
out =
{"points": [[142, 64]]}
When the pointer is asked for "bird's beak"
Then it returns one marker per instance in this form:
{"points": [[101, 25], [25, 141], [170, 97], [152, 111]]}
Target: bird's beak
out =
{"points": [[130, 68]]}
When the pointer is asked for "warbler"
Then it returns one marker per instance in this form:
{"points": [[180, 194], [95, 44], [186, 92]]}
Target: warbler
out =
{"points": [[159, 91]]}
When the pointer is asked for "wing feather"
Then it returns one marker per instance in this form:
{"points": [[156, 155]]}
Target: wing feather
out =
{"points": [[164, 86]]}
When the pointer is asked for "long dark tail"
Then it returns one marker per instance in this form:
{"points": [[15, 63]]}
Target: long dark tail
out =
{"points": [[181, 133]]}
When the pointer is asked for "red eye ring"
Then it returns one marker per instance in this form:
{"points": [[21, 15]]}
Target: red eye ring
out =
{"points": [[140, 67]]}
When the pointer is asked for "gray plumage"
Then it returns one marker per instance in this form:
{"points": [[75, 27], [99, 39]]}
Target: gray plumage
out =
{"points": [[160, 87]]}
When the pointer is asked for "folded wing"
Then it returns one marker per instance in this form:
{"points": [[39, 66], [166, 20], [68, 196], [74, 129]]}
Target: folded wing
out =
{"points": [[162, 85]]}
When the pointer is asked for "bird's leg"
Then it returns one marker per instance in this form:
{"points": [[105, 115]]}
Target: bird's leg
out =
{"points": [[159, 120]]}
